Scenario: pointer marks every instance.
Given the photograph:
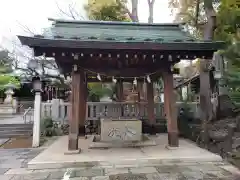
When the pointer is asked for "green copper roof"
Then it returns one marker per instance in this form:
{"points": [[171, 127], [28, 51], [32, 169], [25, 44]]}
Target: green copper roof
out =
{"points": [[118, 31]]}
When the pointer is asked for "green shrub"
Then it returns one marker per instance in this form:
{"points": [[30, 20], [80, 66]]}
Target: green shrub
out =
{"points": [[47, 126]]}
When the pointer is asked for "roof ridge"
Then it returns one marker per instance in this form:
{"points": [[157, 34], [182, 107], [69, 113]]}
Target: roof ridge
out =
{"points": [[64, 21]]}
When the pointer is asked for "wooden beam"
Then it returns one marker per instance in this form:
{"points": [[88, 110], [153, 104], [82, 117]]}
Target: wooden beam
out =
{"points": [[170, 109]]}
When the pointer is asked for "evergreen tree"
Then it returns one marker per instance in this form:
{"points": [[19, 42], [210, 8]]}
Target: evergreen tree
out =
{"points": [[228, 20]]}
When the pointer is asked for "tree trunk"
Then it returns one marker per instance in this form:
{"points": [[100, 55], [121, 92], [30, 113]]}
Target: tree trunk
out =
{"points": [[134, 14], [150, 6], [211, 20]]}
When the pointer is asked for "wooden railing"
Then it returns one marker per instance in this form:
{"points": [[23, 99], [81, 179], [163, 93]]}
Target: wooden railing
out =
{"points": [[96, 110]]}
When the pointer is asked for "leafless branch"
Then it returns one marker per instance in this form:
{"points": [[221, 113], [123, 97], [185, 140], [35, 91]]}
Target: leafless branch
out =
{"points": [[26, 29], [72, 13]]}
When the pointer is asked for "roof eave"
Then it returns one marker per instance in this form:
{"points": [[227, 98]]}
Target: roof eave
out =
{"points": [[77, 44]]}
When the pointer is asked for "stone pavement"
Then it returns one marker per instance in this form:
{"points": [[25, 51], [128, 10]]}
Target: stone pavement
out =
{"points": [[15, 158], [159, 171], [13, 166]]}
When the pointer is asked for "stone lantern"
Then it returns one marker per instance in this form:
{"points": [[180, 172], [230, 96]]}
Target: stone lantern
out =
{"points": [[9, 93]]}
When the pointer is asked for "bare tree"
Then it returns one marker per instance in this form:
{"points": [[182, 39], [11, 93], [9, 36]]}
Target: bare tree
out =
{"points": [[71, 11], [150, 6]]}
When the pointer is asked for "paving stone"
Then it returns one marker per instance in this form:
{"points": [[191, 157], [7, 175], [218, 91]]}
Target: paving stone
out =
{"points": [[128, 177], [100, 178], [19, 171], [11, 164], [219, 174], [80, 178], [171, 176], [87, 172], [204, 168], [34, 176], [113, 171], [143, 170], [53, 173], [231, 168], [167, 169], [3, 170], [153, 176], [56, 175], [6, 177], [193, 175]]}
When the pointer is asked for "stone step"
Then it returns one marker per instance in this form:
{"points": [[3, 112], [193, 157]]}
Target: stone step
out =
{"points": [[16, 125], [14, 135], [15, 130], [6, 116]]}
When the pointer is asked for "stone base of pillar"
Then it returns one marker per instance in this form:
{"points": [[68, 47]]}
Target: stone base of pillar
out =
{"points": [[73, 144], [71, 152], [81, 131], [173, 139]]}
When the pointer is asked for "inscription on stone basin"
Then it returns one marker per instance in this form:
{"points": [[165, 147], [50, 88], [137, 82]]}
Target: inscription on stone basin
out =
{"points": [[121, 130]]}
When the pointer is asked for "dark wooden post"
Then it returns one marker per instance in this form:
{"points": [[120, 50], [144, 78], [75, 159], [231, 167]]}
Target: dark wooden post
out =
{"points": [[120, 94], [140, 94], [205, 98], [83, 107], [150, 100], [77, 98], [119, 90], [140, 91], [170, 109]]}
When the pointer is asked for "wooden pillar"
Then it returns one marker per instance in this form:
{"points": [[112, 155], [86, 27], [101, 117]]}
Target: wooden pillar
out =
{"points": [[140, 91], [170, 109], [77, 99], [82, 108], [150, 100], [205, 98], [140, 94], [119, 90]]}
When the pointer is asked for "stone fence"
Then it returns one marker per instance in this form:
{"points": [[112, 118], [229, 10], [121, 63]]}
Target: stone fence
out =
{"points": [[61, 111]]}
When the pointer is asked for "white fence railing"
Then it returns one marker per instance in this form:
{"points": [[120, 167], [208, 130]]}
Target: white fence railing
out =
{"points": [[60, 111]]}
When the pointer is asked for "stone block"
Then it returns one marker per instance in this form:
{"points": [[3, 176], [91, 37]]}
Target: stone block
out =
{"points": [[114, 171], [140, 170], [19, 171], [87, 172], [71, 152], [121, 130], [6, 177], [100, 178]]}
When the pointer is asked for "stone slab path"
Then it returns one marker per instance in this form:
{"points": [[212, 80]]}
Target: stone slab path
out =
{"points": [[13, 166]]}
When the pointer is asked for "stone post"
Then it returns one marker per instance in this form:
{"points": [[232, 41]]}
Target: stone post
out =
{"points": [[37, 119], [55, 109]]}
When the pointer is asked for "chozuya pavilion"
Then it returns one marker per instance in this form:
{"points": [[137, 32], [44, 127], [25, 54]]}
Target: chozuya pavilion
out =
{"points": [[129, 52]]}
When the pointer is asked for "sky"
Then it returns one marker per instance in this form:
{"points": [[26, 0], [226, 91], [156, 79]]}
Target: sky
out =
{"points": [[19, 17]]}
